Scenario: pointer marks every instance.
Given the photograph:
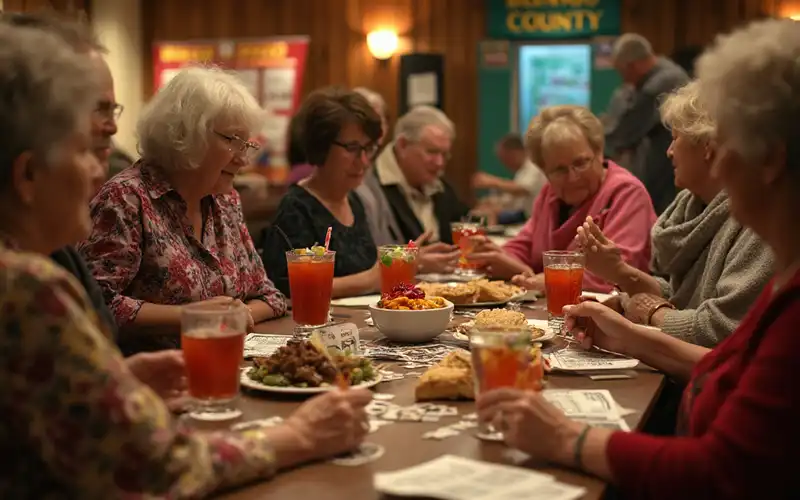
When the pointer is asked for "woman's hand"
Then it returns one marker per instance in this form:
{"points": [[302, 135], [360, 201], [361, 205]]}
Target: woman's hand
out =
{"points": [[594, 324], [529, 281], [164, 372], [498, 263], [603, 258], [530, 424], [325, 426]]}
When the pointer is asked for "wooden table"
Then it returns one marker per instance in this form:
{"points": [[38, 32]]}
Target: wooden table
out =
{"points": [[403, 440]]}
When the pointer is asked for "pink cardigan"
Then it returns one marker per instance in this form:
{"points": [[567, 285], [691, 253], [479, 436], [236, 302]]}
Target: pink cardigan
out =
{"points": [[621, 207]]}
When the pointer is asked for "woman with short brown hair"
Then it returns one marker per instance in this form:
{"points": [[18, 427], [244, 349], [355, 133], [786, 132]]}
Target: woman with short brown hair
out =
{"points": [[340, 134]]}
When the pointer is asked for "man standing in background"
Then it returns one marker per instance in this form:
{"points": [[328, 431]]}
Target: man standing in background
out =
{"points": [[517, 195], [638, 131]]}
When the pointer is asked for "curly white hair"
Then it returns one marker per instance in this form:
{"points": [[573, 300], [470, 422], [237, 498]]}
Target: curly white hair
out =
{"points": [[749, 82]]}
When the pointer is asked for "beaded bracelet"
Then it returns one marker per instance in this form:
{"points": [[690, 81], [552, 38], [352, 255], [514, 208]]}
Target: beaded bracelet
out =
{"points": [[578, 453]]}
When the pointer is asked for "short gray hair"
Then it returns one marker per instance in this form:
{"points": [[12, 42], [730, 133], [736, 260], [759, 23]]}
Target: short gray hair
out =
{"points": [[373, 98], [175, 126], [683, 112], [749, 82], [631, 47], [47, 93], [411, 124], [560, 124]]}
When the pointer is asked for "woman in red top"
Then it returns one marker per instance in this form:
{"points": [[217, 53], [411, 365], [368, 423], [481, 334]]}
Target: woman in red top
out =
{"points": [[738, 426]]}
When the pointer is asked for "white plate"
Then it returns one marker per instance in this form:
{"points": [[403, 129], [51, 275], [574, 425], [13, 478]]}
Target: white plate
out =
{"points": [[517, 297], [445, 278], [538, 323], [252, 384], [362, 301]]}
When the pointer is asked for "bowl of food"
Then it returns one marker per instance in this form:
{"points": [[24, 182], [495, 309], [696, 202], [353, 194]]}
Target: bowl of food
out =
{"points": [[407, 314]]}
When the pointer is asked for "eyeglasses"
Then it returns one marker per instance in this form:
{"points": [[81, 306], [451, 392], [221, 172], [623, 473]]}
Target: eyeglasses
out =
{"points": [[109, 110], [355, 148], [578, 166], [239, 145]]}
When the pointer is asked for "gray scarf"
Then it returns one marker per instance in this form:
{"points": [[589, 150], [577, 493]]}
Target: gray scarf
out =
{"points": [[683, 233]]}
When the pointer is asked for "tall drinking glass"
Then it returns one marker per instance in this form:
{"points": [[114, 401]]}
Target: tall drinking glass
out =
{"points": [[311, 286], [398, 264], [563, 283], [462, 233], [212, 339], [502, 357]]}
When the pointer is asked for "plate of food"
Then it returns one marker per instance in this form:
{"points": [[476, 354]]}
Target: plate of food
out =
{"points": [[475, 293], [503, 318], [300, 368]]}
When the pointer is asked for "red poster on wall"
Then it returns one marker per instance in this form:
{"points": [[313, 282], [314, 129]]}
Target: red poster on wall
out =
{"points": [[271, 68]]}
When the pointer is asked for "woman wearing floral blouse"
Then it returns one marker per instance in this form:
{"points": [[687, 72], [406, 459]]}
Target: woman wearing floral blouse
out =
{"points": [[170, 229], [76, 422]]}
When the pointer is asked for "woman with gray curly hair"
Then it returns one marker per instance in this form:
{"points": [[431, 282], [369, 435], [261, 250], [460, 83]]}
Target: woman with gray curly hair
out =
{"points": [[170, 230], [737, 425], [706, 268], [73, 411]]}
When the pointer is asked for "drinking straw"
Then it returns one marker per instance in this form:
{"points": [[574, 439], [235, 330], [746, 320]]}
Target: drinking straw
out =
{"points": [[328, 237], [286, 238]]}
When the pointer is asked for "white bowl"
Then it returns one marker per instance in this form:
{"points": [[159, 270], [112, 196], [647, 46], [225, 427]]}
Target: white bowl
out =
{"points": [[411, 326]]}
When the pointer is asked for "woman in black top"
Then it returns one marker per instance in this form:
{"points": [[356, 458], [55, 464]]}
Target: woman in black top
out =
{"points": [[340, 134]]}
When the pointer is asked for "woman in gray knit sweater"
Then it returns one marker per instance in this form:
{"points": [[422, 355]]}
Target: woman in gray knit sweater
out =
{"points": [[707, 268]]}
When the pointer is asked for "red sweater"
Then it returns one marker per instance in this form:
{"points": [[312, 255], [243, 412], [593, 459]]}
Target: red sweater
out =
{"points": [[742, 420], [621, 207]]}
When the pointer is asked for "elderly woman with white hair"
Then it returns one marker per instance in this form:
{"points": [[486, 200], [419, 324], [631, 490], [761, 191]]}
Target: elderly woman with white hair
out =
{"points": [[170, 230], [566, 142], [737, 426], [72, 409], [706, 269]]}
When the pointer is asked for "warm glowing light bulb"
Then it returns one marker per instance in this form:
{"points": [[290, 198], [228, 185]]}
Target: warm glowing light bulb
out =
{"points": [[382, 44]]}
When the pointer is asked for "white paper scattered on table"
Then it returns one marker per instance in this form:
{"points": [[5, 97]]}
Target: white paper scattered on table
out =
{"points": [[594, 407], [456, 478], [343, 336], [422, 89], [360, 301], [570, 359], [262, 344]]}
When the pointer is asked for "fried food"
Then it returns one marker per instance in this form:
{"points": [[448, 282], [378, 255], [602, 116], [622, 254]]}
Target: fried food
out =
{"points": [[500, 318], [300, 364], [403, 303], [472, 292], [495, 291], [451, 378]]}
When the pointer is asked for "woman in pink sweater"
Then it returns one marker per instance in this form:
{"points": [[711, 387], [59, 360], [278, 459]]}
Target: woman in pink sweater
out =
{"points": [[566, 142]]}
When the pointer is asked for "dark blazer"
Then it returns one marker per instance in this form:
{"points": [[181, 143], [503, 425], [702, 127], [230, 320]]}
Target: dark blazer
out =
{"points": [[446, 206], [71, 260]]}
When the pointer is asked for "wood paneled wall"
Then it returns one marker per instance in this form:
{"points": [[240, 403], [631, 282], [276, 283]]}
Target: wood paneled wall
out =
{"points": [[338, 53], [66, 6]]}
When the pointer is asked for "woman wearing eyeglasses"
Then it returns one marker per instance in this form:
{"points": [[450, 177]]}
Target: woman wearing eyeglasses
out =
{"points": [[169, 230], [566, 142], [340, 134]]}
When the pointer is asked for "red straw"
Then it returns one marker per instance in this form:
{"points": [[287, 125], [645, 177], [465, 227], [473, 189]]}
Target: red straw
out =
{"points": [[328, 237]]}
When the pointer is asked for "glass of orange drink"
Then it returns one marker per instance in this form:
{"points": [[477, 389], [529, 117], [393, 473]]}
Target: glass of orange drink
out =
{"points": [[563, 283], [504, 358], [310, 286], [462, 234], [398, 264], [212, 339]]}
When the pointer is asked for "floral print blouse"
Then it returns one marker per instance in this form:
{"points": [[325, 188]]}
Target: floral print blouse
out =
{"points": [[143, 249], [76, 422]]}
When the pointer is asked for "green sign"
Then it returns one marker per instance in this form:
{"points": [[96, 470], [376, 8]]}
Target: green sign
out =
{"points": [[552, 19]]}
